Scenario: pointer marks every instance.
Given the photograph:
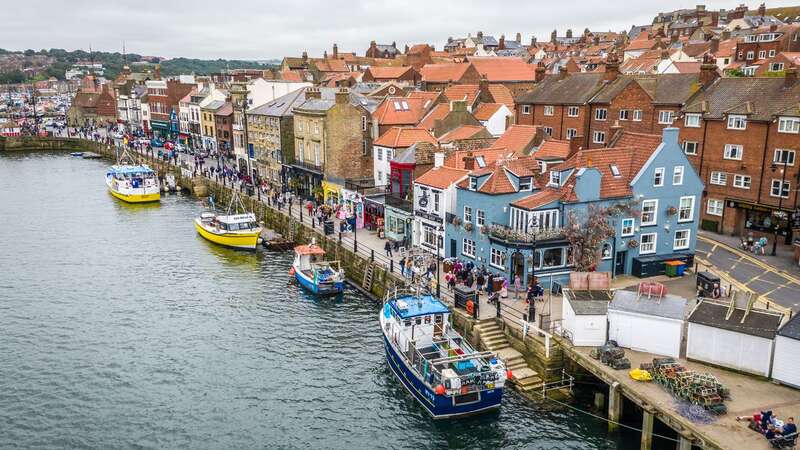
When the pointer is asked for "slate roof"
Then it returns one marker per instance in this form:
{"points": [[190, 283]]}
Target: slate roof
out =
{"points": [[281, 106], [397, 137], [573, 89], [760, 324], [759, 98], [669, 306], [668, 88], [497, 69], [792, 328]]}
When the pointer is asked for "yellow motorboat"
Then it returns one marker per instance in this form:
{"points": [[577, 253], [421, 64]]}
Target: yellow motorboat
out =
{"points": [[235, 231]]}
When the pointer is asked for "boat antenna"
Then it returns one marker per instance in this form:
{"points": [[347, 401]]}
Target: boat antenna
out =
{"points": [[236, 203]]}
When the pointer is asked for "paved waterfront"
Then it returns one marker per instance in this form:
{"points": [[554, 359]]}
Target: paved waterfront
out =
{"points": [[122, 328]]}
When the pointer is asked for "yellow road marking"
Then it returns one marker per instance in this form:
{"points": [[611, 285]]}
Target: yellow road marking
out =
{"points": [[751, 259]]}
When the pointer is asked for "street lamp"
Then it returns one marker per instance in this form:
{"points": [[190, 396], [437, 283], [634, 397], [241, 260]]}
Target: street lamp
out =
{"points": [[773, 167], [533, 224]]}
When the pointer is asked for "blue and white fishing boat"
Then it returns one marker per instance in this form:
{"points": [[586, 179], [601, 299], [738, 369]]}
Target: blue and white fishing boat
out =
{"points": [[319, 277], [433, 362]]}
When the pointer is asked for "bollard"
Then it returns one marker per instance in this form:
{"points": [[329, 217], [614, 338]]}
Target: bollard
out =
{"points": [[340, 237], [391, 266], [372, 255], [355, 246]]}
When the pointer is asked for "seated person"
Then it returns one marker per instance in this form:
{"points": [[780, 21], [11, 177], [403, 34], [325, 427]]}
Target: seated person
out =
{"points": [[789, 428], [771, 433]]}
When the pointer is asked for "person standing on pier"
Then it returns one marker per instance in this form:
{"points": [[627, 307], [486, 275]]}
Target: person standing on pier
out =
{"points": [[387, 248]]}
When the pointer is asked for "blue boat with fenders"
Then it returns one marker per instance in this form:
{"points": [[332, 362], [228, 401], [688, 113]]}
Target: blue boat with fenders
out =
{"points": [[319, 277], [433, 362]]}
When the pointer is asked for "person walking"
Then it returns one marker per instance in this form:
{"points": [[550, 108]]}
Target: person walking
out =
{"points": [[387, 248]]}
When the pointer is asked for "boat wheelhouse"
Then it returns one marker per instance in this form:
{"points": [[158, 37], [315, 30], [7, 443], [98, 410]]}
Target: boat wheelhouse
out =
{"points": [[319, 277], [433, 362], [236, 231], [133, 183]]}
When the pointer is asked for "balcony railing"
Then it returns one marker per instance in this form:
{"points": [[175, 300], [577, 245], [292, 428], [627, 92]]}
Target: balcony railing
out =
{"points": [[307, 166], [396, 201], [509, 235]]}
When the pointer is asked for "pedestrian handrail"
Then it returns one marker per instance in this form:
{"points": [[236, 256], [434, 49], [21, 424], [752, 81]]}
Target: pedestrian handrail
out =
{"points": [[511, 314]]}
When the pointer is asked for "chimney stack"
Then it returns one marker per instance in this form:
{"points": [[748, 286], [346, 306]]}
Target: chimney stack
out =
{"points": [[708, 70], [438, 159], [574, 145], [553, 36], [157, 75], [335, 51], [342, 96], [762, 10], [714, 45], [313, 93], [502, 44], [773, 27], [569, 33], [612, 68], [469, 161], [480, 34], [562, 72], [790, 77], [540, 72], [533, 41], [519, 38], [483, 86], [305, 57]]}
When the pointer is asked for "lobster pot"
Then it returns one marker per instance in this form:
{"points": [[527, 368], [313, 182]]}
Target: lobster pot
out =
{"points": [[786, 364], [736, 340], [647, 324]]}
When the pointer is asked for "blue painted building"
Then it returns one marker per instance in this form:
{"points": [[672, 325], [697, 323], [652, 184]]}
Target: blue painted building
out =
{"points": [[510, 216]]}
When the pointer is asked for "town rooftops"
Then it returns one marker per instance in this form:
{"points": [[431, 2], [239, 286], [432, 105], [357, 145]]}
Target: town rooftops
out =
{"points": [[281, 106], [225, 110], [503, 69], [397, 137], [485, 111], [518, 138], [499, 172], [757, 98], [668, 306], [467, 92], [501, 94], [672, 88], [573, 89], [214, 105], [754, 323], [483, 158], [388, 73], [441, 177], [465, 132], [438, 112], [443, 73], [541, 198], [401, 110], [552, 149]]}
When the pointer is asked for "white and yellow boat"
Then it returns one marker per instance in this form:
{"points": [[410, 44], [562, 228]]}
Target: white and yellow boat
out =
{"points": [[133, 183], [236, 231]]}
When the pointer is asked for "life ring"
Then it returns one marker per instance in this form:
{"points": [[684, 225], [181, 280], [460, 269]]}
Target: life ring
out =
{"points": [[470, 306]]}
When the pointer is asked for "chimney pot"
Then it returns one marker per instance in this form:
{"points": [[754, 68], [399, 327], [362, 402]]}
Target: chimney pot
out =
{"points": [[469, 161], [670, 136], [438, 159]]}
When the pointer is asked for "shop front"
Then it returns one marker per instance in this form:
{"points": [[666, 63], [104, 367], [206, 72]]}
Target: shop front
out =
{"points": [[331, 193], [160, 128], [353, 205], [374, 212], [760, 220]]}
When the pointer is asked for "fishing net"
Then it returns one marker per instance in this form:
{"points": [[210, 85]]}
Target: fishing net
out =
{"points": [[695, 413]]}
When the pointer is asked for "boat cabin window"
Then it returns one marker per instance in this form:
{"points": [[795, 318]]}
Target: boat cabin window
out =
{"points": [[407, 323], [418, 321], [427, 319]]}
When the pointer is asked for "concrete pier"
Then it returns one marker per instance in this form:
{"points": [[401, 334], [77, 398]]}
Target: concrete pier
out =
{"points": [[647, 429], [614, 407]]}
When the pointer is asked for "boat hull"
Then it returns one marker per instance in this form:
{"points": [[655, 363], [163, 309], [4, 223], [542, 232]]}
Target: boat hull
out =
{"points": [[314, 288], [243, 241], [438, 406], [136, 198]]}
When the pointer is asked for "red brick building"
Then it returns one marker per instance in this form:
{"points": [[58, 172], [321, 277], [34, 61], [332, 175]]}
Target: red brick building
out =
{"points": [[738, 133], [766, 42], [223, 125], [437, 77]]}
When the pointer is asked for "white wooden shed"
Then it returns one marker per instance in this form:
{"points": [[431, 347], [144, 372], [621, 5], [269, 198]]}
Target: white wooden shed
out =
{"points": [[584, 316], [652, 324], [786, 363], [722, 334]]}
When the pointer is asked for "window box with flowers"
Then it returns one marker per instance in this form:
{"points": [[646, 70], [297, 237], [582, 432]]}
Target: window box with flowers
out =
{"points": [[633, 243], [671, 210], [468, 226]]}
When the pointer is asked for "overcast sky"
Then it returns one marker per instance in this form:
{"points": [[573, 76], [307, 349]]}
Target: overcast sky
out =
{"points": [[264, 29]]}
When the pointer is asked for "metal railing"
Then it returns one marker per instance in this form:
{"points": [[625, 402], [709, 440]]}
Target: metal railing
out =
{"points": [[507, 234]]}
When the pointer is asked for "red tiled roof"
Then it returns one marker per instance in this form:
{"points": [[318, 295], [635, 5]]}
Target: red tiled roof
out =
{"points": [[291, 75], [438, 112], [468, 92], [427, 95], [441, 177], [552, 149], [489, 155], [504, 68], [485, 111], [541, 198], [332, 65], [517, 138], [398, 137], [641, 44], [501, 94], [401, 111], [462, 132], [443, 72], [498, 181], [388, 72], [687, 66]]}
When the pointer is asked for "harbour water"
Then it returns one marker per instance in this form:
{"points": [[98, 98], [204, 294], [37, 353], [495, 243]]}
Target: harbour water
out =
{"points": [[120, 328]]}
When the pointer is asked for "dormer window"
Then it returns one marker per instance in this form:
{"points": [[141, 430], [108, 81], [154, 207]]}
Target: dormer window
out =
{"points": [[615, 171], [473, 183], [555, 178], [737, 122], [525, 184], [481, 161]]}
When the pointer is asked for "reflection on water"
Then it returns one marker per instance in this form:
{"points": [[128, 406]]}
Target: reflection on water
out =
{"points": [[121, 327]]}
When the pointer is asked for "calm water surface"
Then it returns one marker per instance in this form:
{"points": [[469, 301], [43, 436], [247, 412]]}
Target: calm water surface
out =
{"points": [[120, 327]]}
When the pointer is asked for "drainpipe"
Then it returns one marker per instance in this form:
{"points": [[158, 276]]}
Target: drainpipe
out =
{"points": [[561, 127], [764, 162]]}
